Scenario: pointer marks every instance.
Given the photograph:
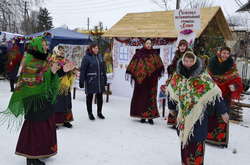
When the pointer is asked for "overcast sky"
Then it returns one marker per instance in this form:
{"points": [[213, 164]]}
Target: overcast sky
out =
{"points": [[74, 13]]}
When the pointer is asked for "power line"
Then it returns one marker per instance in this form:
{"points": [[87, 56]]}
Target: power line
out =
{"points": [[83, 3], [69, 5], [103, 8], [91, 8]]}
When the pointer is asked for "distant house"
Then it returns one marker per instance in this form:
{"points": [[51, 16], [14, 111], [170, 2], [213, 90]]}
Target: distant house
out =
{"points": [[245, 7], [129, 33]]}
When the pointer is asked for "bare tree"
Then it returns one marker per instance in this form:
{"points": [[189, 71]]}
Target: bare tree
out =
{"points": [[12, 12], [31, 27], [198, 3], [162, 3], [165, 4]]}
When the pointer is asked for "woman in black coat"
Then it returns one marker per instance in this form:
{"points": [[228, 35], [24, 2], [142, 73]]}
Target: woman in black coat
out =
{"points": [[93, 78]]}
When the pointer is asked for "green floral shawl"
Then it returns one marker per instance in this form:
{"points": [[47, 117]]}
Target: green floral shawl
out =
{"points": [[36, 83]]}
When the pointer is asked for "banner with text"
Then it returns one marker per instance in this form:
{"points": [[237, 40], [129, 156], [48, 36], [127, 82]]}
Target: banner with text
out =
{"points": [[187, 19]]}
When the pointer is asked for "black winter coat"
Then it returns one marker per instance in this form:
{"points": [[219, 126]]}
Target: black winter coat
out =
{"points": [[93, 74]]}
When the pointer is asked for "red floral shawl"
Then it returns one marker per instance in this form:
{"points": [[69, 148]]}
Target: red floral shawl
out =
{"points": [[231, 77], [145, 63]]}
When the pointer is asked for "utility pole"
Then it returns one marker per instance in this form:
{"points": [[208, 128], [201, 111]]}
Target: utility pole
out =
{"points": [[88, 23], [25, 10], [26, 16], [178, 4]]}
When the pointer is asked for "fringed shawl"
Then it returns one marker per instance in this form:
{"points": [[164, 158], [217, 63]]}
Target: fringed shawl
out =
{"points": [[66, 81], [36, 84], [143, 64], [192, 95]]}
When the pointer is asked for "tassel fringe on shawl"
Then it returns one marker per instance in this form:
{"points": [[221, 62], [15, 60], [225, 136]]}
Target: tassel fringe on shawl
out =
{"points": [[192, 95]]}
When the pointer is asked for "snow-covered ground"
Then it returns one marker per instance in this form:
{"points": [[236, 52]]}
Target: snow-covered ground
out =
{"points": [[120, 140]]}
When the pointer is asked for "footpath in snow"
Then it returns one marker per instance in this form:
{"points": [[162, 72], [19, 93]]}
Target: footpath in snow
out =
{"points": [[120, 140]]}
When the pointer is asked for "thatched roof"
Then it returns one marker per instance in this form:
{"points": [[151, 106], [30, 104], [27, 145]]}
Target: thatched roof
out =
{"points": [[161, 24]]}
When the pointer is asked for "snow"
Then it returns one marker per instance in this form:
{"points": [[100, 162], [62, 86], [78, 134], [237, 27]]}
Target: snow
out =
{"points": [[120, 140]]}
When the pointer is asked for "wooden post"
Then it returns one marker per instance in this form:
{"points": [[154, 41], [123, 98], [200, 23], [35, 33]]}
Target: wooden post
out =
{"points": [[178, 4], [163, 107], [107, 93], [74, 93]]}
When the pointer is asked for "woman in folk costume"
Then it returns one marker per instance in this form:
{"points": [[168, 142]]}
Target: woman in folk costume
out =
{"points": [[14, 59], [193, 91], [145, 69], [224, 72], [181, 49], [33, 97], [63, 105]]}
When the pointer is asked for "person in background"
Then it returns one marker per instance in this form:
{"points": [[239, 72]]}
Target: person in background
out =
{"points": [[145, 69], [224, 72], [193, 91], [93, 78], [171, 69], [63, 105], [3, 58], [108, 60], [34, 94], [12, 66]]}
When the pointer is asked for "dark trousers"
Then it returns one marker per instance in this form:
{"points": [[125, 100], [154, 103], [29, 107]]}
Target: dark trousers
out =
{"points": [[99, 100], [12, 85]]}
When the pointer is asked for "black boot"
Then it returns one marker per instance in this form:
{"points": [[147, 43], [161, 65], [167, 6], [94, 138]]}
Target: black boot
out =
{"points": [[89, 106], [67, 125], [38, 162], [143, 120], [224, 146], [91, 117], [100, 116], [34, 162], [150, 121], [29, 161], [99, 105]]}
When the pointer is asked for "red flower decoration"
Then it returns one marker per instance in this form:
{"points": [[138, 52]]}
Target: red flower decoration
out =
{"points": [[195, 83], [181, 127], [220, 136], [54, 148], [222, 126], [209, 136], [198, 160], [200, 148], [30, 83], [173, 82], [201, 88]]}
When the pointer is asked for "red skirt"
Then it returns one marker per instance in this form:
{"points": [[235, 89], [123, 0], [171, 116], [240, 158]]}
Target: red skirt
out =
{"points": [[218, 131], [193, 154], [63, 117], [171, 119], [37, 139], [143, 103]]}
